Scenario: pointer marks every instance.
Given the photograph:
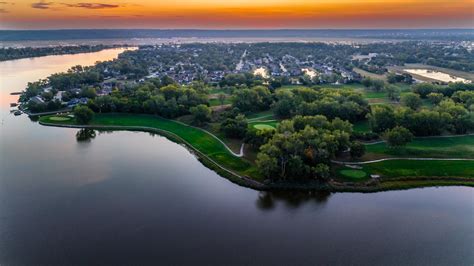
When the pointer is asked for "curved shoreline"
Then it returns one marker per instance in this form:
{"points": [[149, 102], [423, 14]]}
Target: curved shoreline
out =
{"points": [[332, 186]]}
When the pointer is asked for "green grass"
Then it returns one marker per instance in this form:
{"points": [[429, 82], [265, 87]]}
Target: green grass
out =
{"points": [[362, 126], [265, 115], [439, 147], [354, 175], [59, 118], [263, 126], [199, 139], [217, 102], [407, 168], [291, 87]]}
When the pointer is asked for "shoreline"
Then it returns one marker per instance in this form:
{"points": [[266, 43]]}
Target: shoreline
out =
{"points": [[370, 186]]}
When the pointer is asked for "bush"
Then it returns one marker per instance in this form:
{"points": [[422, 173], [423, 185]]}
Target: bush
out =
{"points": [[357, 149], [235, 127], [411, 100], [398, 136], [201, 114]]}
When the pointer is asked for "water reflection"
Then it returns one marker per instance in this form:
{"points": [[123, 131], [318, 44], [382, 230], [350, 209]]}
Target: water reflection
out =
{"points": [[34, 118], [267, 200], [85, 135]]}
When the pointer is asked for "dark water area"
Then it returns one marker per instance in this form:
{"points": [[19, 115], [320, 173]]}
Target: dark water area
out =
{"points": [[133, 198]]}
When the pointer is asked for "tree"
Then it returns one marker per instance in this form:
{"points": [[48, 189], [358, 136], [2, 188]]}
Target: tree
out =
{"points": [[357, 149], [258, 137], [201, 114], [378, 84], [411, 100], [89, 92], [398, 136], [221, 97], [382, 118], [367, 82], [423, 89], [285, 104], [83, 114], [392, 78], [435, 98], [393, 92], [235, 127]]}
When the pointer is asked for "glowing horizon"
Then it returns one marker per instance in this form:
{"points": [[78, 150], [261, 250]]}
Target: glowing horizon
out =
{"points": [[236, 14]]}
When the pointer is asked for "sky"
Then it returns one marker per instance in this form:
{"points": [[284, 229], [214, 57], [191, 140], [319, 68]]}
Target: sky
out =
{"points": [[236, 14]]}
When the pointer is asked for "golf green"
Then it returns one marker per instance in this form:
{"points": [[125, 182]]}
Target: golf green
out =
{"points": [[263, 126]]}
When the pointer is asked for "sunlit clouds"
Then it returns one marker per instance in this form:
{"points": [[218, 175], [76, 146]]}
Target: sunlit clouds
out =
{"points": [[32, 14]]}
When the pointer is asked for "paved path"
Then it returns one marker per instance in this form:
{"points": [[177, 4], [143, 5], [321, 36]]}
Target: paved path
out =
{"points": [[241, 154], [47, 113]]}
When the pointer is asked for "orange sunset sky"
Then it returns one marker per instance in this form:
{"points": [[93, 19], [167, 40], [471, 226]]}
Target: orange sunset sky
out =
{"points": [[236, 14]]}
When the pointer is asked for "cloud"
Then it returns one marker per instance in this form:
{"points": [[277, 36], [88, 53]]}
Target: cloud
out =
{"points": [[42, 5], [92, 5], [3, 11]]}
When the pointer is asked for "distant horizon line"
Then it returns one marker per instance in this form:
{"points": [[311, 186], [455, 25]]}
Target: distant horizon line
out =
{"points": [[243, 29]]}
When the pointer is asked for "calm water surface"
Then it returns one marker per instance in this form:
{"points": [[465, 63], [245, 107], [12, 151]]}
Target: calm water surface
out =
{"points": [[134, 198]]}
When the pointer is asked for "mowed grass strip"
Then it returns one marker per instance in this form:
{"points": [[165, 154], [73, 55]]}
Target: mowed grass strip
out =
{"points": [[407, 168], [264, 124], [199, 139], [438, 147], [353, 174]]}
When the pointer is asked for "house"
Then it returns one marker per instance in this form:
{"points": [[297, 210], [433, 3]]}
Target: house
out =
{"points": [[37, 99], [59, 96], [75, 101]]}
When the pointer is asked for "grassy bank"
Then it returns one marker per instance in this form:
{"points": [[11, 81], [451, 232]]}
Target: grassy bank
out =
{"points": [[438, 147], [408, 169]]}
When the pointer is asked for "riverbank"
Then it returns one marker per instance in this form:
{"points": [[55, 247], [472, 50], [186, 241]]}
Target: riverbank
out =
{"points": [[7, 54], [217, 156]]}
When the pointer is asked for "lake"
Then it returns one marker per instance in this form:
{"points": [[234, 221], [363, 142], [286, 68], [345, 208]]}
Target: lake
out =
{"points": [[132, 198]]}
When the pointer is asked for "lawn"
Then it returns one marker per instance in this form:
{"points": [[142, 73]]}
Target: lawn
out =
{"points": [[406, 168], [199, 139], [291, 87], [59, 118], [438, 147], [263, 126], [217, 102], [265, 115], [370, 74], [353, 174], [362, 126]]}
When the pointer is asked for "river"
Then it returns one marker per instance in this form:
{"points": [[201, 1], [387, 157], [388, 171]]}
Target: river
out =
{"points": [[134, 198]]}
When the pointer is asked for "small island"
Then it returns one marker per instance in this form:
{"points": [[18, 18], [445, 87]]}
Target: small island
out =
{"points": [[336, 130]]}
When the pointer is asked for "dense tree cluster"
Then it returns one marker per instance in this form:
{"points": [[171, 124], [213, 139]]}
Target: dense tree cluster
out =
{"points": [[254, 99], [447, 116], [235, 127], [332, 103], [423, 89], [167, 101], [301, 148]]}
